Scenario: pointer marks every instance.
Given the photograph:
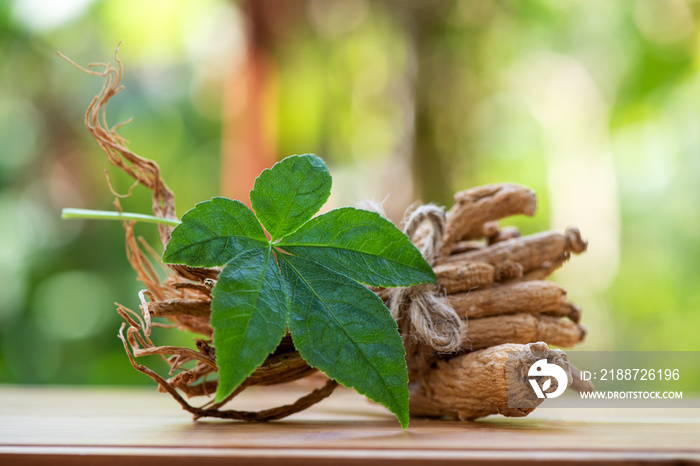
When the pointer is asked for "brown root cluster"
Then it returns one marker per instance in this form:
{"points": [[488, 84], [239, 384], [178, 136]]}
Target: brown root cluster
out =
{"points": [[494, 280], [491, 298]]}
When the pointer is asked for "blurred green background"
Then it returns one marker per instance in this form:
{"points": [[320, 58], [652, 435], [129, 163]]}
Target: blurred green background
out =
{"points": [[594, 104]]}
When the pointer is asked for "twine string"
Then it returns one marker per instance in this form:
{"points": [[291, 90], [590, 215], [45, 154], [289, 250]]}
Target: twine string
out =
{"points": [[422, 311]]}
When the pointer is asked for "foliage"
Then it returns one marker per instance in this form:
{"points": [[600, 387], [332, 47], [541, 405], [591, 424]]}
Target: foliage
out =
{"points": [[304, 278]]}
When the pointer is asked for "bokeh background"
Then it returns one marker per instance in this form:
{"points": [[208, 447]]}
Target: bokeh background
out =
{"points": [[594, 104]]}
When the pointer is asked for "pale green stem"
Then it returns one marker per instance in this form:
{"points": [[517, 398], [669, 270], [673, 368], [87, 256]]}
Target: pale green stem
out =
{"points": [[106, 215]]}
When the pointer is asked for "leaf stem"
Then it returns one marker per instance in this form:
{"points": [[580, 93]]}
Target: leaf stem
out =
{"points": [[107, 215]]}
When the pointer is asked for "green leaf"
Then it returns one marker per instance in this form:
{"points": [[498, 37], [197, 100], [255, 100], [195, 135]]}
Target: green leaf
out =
{"points": [[213, 232], [290, 193], [362, 245], [248, 314], [342, 328], [337, 324]]}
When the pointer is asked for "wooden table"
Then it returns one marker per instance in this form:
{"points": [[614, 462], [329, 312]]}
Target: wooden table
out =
{"points": [[89, 426]]}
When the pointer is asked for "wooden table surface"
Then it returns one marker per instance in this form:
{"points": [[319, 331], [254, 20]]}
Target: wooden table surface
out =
{"points": [[93, 426]]}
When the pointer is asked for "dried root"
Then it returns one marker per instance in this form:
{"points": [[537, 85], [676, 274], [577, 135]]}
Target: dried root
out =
{"points": [[478, 384], [279, 368], [523, 328], [457, 277], [144, 171], [531, 252], [477, 208], [529, 297]]}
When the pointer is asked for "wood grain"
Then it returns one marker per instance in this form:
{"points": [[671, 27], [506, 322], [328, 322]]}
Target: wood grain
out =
{"points": [[135, 426]]}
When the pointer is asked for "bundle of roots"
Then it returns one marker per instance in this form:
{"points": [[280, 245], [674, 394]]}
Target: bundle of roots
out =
{"points": [[491, 299]]}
